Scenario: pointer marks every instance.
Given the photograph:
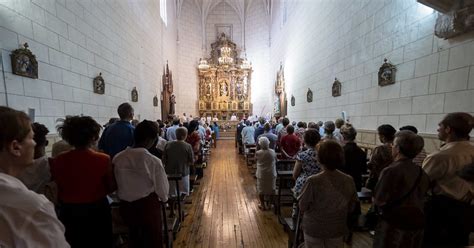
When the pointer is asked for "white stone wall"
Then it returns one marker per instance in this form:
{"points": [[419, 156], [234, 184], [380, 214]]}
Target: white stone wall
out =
{"points": [[223, 14], [349, 39], [189, 52], [75, 40], [258, 52]]}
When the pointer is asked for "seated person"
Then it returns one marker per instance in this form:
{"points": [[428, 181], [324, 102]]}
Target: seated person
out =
{"points": [[38, 175], [141, 185], [266, 171], [84, 178], [290, 144], [26, 218], [178, 157], [326, 200]]}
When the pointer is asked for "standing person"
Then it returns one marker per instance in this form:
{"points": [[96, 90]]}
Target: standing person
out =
{"points": [[329, 129], [290, 144], [259, 130], [238, 136], [266, 171], [327, 199], [356, 160], [26, 218], [178, 158], [337, 133], [194, 139], [171, 131], [418, 160], [399, 196], [450, 210], [248, 134], [301, 128], [116, 137], [36, 177], [215, 134], [306, 163], [84, 178], [382, 155], [142, 184], [269, 135]]}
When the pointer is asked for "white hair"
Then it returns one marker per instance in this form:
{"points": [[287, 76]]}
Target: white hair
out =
{"points": [[264, 143]]}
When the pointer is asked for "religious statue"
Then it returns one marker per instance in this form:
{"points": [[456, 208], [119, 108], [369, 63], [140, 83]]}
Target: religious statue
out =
{"points": [[336, 88], [24, 62], [386, 74], [172, 105], [99, 84], [280, 92], [223, 89], [309, 95], [134, 94]]}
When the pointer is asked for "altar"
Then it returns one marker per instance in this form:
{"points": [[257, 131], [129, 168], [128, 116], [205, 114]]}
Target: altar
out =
{"points": [[224, 82]]}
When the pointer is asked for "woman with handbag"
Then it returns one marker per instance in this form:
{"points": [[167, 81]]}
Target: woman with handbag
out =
{"points": [[399, 196]]}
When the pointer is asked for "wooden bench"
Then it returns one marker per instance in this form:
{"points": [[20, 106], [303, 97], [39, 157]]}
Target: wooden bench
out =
{"points": [[283, 177], [175, 223], [250, 152]]}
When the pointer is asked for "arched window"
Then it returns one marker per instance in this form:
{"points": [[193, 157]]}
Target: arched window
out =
{"points": [[163, 12]]}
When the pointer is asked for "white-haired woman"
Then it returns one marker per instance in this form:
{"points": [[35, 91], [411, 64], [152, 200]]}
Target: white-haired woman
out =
{"points": [[266, 171]]}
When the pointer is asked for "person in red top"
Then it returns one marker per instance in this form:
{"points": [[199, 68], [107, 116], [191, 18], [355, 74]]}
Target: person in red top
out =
{"points": [[290, 143], [194, 139], [84, 178]]}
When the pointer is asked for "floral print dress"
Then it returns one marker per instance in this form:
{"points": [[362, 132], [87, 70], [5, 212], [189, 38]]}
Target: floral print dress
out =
{"points": [[309, 167]]}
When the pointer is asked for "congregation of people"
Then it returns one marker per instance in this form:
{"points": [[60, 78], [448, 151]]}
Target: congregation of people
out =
{"points": [[418, 199], [64, 200]]}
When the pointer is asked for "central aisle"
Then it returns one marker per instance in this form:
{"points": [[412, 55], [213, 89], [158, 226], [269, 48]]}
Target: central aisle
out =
{"points": [[224, 212]]}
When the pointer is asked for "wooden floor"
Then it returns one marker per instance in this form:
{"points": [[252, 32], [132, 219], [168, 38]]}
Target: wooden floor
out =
{"points": [[224, 210]]}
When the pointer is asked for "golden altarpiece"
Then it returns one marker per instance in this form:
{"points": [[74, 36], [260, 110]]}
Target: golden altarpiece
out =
{"points": [[224, 82]]}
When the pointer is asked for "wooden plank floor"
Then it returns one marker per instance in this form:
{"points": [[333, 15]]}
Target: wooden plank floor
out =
{"points": [[224, 210]]}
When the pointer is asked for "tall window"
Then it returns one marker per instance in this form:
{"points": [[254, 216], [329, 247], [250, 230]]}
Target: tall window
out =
{"points": [[163, 13]]}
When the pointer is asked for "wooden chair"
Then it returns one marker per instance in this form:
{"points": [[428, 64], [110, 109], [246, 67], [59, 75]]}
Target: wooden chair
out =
{"points": [[250, 151], [285, 194]]}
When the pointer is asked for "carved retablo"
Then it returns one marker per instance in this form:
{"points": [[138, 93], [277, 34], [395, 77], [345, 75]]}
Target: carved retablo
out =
{"points": [[224, 82]]}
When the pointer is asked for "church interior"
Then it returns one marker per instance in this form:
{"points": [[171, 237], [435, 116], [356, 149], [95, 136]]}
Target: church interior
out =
{"points": [[273, 123]]}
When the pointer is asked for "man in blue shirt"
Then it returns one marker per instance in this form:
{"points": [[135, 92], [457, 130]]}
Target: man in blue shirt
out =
{"points": [[171, 131], [259, 130], [118, 136]]}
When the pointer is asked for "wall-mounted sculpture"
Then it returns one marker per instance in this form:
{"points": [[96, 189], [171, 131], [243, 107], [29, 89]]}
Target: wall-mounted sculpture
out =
{"points": [[293, 100], [168, 100], [134, 94], [280, 108], [99, 84], [387, 74], [309, 95], [24, 62], [155, 101], [336, 88]]}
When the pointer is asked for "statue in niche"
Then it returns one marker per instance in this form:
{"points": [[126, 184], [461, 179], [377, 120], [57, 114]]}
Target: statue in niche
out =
{"points": [[134, 94], [172, 105], [24, 62], [386, 74], [293, 100], [336, 88], [224, 89], [99, 84], [155, 101], [281, 109], [309, 95]]}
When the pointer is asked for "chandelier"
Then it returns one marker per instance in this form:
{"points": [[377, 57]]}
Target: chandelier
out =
{"points": [[226, 55]]}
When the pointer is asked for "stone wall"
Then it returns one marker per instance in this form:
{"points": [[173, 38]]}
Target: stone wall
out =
{"points": [[321, 40], [75, 40]]}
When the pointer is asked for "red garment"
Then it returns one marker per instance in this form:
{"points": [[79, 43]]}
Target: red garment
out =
{"points": [[194, 140], [291, 145], [82, 176]]}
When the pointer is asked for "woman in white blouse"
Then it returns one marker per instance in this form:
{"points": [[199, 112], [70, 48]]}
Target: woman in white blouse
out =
{"points": [[141, 185]]}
